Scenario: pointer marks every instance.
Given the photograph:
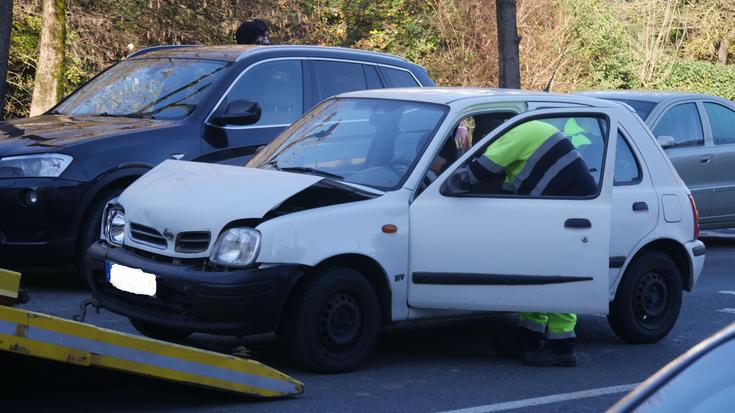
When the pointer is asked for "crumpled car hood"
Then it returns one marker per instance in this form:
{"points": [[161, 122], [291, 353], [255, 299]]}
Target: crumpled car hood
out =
{"points": [[178, 196]]}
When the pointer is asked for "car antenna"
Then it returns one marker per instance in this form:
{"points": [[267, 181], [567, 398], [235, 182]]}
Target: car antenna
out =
{"points": [[551, 79]]}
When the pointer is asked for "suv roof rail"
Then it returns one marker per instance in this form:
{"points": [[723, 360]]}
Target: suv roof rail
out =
{"points": [[147, 50]]}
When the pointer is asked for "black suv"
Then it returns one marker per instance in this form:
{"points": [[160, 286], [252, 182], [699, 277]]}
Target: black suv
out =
{"points": [[204, 103]]}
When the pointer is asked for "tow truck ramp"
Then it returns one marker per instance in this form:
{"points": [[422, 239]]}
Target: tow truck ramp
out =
{"points": [[42, 336]]}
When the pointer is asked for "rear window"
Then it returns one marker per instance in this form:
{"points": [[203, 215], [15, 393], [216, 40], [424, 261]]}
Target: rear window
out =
{"points": [[641, 107], [398, 78]]}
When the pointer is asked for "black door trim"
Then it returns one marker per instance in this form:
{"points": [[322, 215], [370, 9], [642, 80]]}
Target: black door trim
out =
{"points": [[617, 262], [446, 278]]}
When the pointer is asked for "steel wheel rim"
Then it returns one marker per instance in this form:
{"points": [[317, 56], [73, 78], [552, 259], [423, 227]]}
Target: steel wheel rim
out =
{"points": [[652, 300], [340, 323]]}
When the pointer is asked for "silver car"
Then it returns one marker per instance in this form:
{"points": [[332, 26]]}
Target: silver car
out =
{"points": [[698, 134]]}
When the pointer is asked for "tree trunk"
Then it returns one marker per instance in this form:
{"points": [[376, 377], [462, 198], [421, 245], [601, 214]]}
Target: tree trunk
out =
{"points": [[722, 51], [509, 67], [47, 89], [6, 23]]}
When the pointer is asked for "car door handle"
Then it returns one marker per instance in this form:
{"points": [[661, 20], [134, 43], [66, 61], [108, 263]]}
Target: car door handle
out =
{"points": [[578, 223], [706, 159], [640, 207]]}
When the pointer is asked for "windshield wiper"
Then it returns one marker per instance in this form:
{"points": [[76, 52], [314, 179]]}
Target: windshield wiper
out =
{"points": [[309, 170]]}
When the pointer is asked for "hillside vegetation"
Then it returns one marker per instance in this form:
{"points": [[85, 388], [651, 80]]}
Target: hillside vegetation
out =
{"points": [[586, 44]]}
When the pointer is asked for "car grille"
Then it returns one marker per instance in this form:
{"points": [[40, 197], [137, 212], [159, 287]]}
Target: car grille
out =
{"points": [[195, 241], [147, 235]]}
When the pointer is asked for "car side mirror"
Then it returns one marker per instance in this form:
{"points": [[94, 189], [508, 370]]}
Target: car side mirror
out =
{"points": [[666, 141], [239, 112]]}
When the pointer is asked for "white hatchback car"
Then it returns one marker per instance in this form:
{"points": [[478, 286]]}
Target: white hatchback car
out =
{"points": [[347, 222]]}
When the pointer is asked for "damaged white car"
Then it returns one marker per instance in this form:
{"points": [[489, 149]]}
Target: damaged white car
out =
{"points": [[352, 219]]}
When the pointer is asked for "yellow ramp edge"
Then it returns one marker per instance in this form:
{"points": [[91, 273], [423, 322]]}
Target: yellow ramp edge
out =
{"points": [[9, 284], [52, 338]]}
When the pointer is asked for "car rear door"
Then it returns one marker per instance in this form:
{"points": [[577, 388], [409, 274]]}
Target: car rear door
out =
{"points": [[721, 121], [692, 155], [480, 251]]}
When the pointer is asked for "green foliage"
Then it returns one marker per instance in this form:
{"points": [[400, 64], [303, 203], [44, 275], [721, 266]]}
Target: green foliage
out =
{"points": [[698, 77], [602, 41], [22, 63]]}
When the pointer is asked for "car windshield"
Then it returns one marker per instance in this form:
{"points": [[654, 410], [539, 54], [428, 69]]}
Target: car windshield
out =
{"points": [[372, 142], [149, 88], [641, 107]]}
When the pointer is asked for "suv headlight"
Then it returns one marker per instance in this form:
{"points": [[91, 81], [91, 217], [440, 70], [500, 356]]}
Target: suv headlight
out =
{"points": [[34, 166], [113, 224], [236, 247]]}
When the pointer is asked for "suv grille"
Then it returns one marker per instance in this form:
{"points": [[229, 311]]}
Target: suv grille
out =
{"points": [[195, 241], [147, 235]]}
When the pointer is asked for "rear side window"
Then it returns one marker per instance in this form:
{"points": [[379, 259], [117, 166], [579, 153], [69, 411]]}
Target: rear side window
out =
{"points": [[681, 122], [334, 78], [277, 86], [373, 80], [627, 168], [722, 121], [398, 78]]}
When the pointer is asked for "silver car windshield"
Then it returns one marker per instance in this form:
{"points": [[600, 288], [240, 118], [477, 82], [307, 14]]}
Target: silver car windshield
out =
{"points": [[372, 142], [146, 88]]}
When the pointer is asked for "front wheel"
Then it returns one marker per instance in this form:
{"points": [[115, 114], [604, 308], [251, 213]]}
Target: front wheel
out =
{"points": [[648, 299], [335, 321]]}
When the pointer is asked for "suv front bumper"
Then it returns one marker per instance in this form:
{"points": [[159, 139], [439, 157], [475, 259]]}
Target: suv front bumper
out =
{"points": [[237, 302]]}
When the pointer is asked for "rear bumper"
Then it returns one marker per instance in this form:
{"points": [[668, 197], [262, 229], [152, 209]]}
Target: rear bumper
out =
{"points": [[238, 302], [40, 233], [697, 252]]}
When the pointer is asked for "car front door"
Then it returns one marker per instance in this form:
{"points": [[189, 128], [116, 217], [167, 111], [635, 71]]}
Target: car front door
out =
{"points": [[278, 86], [722, 129], [692, 158], [507, 252]]}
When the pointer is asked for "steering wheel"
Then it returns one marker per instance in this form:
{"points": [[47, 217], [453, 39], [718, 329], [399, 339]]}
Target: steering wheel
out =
{"points": [[400, 165]]}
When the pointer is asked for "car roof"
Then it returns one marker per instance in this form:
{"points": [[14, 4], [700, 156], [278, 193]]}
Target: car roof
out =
{"points": [[646, 95], [448, 95], [234, 53]]}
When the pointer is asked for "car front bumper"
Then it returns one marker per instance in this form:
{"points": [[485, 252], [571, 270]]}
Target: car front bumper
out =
{"points": [[237, 302], [40, 233]]}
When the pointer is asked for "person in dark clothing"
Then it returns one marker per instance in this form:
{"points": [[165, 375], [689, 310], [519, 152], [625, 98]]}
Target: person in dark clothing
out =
{"points": [[253, 32]]}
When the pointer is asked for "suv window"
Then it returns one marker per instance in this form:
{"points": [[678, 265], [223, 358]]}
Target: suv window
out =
{"points": [[277, 86], [398, 78], [722, 121], [681, 122], [334, 78], [627, 168]]}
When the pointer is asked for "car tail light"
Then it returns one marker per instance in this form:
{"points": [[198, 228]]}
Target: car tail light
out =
{"points": [[695, 214]]}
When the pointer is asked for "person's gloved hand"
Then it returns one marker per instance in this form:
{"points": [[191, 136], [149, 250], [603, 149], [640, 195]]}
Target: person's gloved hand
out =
{"points": [[459, 182]]}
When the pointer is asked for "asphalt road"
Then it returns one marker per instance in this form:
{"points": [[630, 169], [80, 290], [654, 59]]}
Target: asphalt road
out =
{"points": [[426, 367]]}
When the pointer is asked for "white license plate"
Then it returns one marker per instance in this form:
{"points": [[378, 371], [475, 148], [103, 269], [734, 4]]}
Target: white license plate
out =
{"points": [[131, 280]]}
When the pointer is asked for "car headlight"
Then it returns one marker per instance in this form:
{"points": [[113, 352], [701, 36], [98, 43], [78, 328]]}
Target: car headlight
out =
{"points": [[113, 224], [34, 166], [236, 247]]}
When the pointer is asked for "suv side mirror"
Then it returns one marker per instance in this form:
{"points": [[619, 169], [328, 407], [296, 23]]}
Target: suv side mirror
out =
{"points": [[239, 112], [666, 141]]}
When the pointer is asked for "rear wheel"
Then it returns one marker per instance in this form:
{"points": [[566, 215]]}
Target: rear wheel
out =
{"points": [[158, 331], [335, 321], [648, 300]]}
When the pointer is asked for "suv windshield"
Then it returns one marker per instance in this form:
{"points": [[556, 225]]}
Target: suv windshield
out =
{"points": [[373, 142], [152, 88]]}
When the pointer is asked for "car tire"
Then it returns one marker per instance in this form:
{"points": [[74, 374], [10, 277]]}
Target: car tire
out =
{"points": [[334, 322], [90, 229], [648, 300], [158, 331]]}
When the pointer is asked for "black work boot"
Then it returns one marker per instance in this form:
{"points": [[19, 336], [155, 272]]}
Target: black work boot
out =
{"points": [[557, 353], [522, 340]]}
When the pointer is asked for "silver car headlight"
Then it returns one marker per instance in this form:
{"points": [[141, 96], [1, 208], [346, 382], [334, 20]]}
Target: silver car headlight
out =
{"points": [[236, 247], [34, 166], [113, 224]]}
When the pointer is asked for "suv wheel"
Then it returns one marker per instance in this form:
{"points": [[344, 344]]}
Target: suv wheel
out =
{"points": [[90, 229], [158, 331], [648, 299], [335, 321]]}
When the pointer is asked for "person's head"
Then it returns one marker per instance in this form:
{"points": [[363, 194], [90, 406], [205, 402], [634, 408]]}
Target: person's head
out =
{"points": [[253, 32]]}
